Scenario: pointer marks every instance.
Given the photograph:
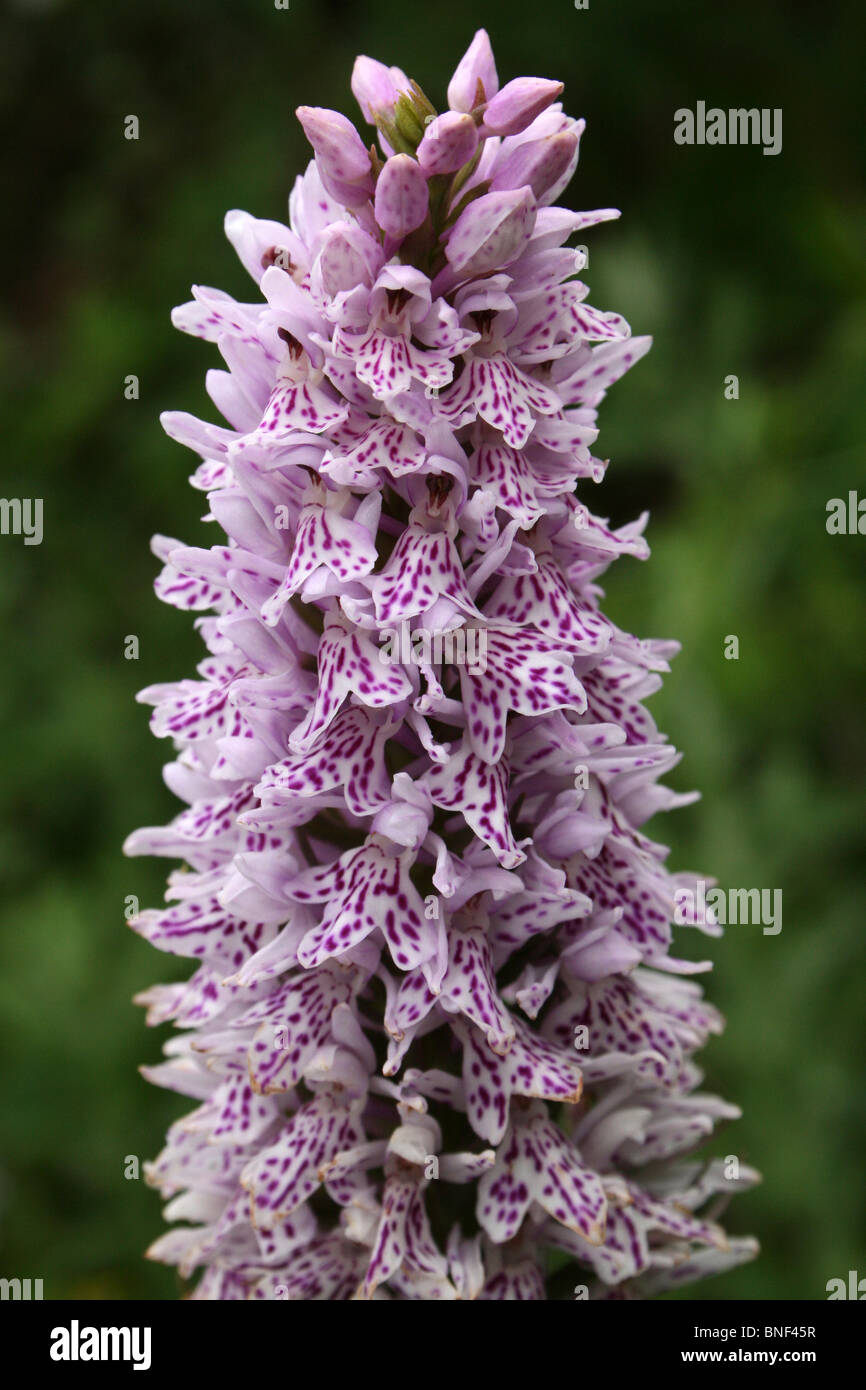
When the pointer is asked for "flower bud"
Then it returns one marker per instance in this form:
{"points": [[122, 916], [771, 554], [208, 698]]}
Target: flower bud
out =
{"points": [[449, 142], [376, 88], [518, 104], [342, 160], [491, 232], [401, 196], [476, 66], [348, 256], [537, 164]]}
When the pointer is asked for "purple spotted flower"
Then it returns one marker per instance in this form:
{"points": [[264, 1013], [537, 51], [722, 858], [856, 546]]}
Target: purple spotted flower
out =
{"points": [[432, 945]]}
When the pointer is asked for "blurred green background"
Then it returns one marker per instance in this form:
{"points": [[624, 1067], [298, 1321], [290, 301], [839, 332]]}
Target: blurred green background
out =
{"points": [[737, 263]]}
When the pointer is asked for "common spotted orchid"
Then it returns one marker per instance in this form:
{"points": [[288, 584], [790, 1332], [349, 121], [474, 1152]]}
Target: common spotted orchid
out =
{"points": [[437, 1042]]}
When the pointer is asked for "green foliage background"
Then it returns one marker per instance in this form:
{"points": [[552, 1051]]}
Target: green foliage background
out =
{"points": [[735, 262]]}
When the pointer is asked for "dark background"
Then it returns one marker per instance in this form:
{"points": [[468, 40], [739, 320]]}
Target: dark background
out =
{"points": [[735, 262]]}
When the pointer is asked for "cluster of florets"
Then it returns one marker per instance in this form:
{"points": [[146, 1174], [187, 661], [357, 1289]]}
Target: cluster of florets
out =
{"points": [[439, 1047]]}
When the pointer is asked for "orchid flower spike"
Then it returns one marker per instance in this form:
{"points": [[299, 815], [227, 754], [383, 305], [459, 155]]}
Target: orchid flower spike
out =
{"points": [[435, 1036]]}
